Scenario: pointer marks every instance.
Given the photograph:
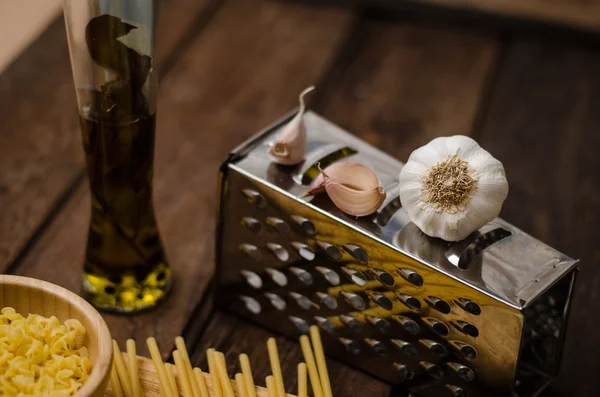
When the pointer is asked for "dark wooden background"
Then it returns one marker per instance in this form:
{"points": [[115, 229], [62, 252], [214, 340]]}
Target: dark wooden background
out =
{"points": [[228, 68]]}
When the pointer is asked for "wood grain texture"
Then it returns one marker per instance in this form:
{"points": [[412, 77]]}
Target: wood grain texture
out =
{"points": [[543, 124], [407, 83], [233, 337], [40, 146], [211, 100], [583, 15], [151, 384], [29, 296]]}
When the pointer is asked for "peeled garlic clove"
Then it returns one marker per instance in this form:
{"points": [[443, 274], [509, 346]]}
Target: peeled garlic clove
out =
{"points": [[452, 187], [290, 143], [352, 187]]}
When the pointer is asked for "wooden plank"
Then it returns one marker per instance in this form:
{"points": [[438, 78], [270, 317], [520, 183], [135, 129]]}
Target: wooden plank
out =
{"points": [[398, 86], [406, 84], [40, 148], [579, 14], [233, 337], [543, 124], [237, 76]]}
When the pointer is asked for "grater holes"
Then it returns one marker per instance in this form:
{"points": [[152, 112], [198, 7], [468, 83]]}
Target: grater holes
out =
{"points": [[352, 323], [252, 224], [354, 300], [330, 250], [332, 277], [409, 301], [277, 225], [300, 324], [252, 279], [433, 370], [411, 276], [380, 299], [434, 347], [377, 346], [456, 391], [357, 252], [406, 348], [304, 250], [254, 197], [307, 227], [462, 371], [351, 346], [437, 326], [404, 371], [379, 323], [357, 277], [277, 301], [278, 277], [408, 324], [303, 301], [325, 324], [466, 328], [480, 244], [252, 305], [439, 304], [304, 276], [466, 350], [468, 306], [250, 250], [279, 252], [384, 277], [327, 300]]}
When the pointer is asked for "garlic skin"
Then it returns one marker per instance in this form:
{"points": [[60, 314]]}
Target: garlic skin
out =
{"points": [[352, 187], [290, 144], [452, 187]]}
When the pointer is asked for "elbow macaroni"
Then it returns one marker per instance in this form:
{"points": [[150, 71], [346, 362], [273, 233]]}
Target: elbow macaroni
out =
{"points": [[39, 356]]}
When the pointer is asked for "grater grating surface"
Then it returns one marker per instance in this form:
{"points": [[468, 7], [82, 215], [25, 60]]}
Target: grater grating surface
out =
{"points": [[482, 317]]}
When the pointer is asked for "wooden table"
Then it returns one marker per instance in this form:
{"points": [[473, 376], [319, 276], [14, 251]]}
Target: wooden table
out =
{"points": [[230, 67]]}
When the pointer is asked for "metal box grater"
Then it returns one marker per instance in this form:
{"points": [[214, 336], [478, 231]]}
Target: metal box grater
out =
{"points": [[482, 317]]}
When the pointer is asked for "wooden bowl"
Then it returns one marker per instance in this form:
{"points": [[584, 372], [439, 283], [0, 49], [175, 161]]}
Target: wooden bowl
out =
{"points": [[27, 295]]}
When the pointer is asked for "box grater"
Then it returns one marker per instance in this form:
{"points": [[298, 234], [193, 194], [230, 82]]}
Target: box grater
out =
{"points": [[485, 316]]}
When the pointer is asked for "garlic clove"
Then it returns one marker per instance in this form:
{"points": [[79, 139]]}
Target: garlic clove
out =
{"points": [[290, 143], [352, 187], [452, 187], [355, 202]]}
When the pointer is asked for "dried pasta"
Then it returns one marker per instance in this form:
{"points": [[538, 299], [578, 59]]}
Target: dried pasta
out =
{"points": [[39, 356]]}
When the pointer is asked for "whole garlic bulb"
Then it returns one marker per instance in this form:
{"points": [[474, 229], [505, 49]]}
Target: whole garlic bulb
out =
{"points": [[452, 187]]}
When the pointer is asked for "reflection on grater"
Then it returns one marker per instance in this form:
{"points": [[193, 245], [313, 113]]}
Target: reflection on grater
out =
{"points": [[484, 316]]}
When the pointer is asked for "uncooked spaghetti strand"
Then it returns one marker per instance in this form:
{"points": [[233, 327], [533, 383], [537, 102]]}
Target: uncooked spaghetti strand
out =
{"points": [[180, 343], [134, 374], [115, 384], [313, 373], [271, 388], [182, 374], [241, 385], [302, 382], [160, 367], [317, 344], [199, 375], [248, 378], [172, 381], [122, 370], [276, 366], [222, 371], [214, 377]]}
